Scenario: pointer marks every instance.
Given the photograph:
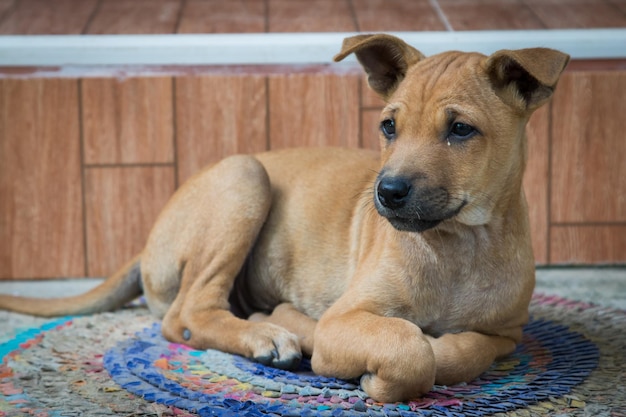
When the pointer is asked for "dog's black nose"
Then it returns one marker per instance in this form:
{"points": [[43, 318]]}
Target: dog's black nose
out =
{"points": [[393, 192]]}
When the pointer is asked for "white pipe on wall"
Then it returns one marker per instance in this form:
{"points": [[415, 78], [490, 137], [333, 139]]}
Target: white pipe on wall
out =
{"points": [[282, 48]]}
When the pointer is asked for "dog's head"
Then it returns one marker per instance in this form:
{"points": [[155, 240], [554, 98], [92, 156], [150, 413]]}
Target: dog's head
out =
{"points": [[453, 130]]}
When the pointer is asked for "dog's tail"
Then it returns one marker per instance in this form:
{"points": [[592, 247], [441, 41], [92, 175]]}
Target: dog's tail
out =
{"points": [[117, 290]]}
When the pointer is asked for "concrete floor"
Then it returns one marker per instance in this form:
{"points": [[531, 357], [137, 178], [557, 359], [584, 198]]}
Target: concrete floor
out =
{"points": [[605, 286]]}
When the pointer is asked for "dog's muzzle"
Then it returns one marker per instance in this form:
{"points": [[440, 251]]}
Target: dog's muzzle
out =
{"points": [[413, 209]]}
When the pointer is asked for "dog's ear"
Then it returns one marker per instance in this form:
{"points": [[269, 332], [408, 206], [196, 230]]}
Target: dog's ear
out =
{"points": [[384, 58], [526, 78]]}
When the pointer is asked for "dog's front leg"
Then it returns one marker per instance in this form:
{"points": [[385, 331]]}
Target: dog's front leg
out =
{"points": [[287, 316], [391, 355], [461, 357]]}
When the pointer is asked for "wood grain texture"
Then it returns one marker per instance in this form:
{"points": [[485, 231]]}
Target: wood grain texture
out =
{"points": [[45, 17], [569, 14], [127, 121], [135, 17], [249, 16], [369, 98], [536, 181], [6, 6], [370, 122], [489, 15], [310, 16], [217, 116], [601, 244], [619, 4], [396, 15], [41, 223], [314, 110], [121, 207], [218, 16], [588, 152]]}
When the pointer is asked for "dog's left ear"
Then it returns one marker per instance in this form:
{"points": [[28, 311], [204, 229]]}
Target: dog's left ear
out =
{"points": [[526, 78], [385, 59]]}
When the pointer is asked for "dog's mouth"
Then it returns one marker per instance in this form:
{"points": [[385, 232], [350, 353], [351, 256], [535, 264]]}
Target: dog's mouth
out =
{"points": [[413, 225], [417, 224], [410, 209]]}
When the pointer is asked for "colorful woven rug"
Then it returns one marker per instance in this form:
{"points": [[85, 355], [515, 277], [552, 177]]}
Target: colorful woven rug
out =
{"points": [[571, 362]]}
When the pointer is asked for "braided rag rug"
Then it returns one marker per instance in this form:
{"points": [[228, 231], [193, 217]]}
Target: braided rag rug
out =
{"points": [[572, 361]]}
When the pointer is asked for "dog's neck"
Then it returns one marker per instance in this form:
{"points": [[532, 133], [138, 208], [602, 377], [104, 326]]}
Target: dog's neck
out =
{"points": [[507, 224]]}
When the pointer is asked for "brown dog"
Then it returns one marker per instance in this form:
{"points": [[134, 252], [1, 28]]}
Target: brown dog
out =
{"points": [[418, 265]]}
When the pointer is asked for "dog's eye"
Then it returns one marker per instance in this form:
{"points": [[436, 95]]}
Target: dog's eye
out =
{"points": [[388, 127], [461, 131]]}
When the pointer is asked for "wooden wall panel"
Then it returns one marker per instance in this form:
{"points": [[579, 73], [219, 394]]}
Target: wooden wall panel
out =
{"points": [[370, 122], [168, 129], [122, 204], [489, 15], [219, 16], [127, 121], [620, 4], [135, 17], [310, 16], [217, 116], [588, 152], [5, 7], [395, 15], [368, 97], [569, 14], [536, 181], [41, 220], [45, 17], [314, 110], [588, 244]]}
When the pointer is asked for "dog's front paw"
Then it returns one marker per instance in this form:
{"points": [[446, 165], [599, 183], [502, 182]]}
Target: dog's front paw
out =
{"points": [[395, 361], [400, 387], [406, 372], [274, 346]]}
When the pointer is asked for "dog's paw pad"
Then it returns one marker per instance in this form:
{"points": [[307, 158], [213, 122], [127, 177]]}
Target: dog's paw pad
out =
{"points": [[276, 347], [287, 361], [267, 359]]}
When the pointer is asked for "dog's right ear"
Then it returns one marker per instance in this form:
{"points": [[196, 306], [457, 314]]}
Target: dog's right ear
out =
{"points": [[384, 58]]}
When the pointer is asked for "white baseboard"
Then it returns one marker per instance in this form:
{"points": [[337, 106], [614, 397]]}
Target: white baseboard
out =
{"points": [[282, 48]]}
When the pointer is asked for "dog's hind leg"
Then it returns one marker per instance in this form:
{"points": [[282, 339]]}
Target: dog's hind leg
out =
{"points": [[200, 318], [197, 248]]}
